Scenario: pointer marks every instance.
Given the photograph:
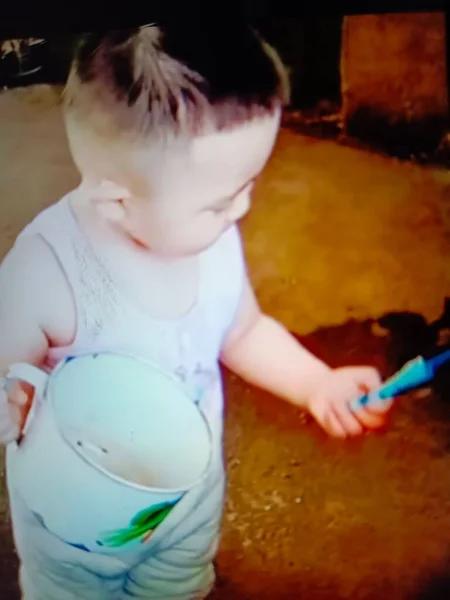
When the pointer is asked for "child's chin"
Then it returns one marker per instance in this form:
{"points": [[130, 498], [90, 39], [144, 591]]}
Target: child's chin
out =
{"points": [[176, 251], [179, 252], [171, 253]]}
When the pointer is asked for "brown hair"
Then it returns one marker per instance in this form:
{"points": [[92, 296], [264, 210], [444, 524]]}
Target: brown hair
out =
{"points": [[175, 78]]}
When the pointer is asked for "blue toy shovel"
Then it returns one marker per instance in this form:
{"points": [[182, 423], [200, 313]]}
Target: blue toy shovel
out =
{"points": [[414, 374]]}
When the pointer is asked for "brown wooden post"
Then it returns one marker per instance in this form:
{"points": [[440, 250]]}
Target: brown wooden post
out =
{"points": [[394, 79]]}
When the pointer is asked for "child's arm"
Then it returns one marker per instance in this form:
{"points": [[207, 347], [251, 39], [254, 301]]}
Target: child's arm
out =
{"points": [[32, 302], [265, 354]]}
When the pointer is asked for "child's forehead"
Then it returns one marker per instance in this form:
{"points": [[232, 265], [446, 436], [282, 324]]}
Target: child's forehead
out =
{"points": [[255, 138], [218, 165], [239, 153]]}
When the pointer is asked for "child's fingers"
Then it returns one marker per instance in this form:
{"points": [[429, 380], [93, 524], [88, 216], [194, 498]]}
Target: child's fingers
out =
{"points": [[333, 426], [378, 406], [367, 378], [369, 381], [340, 406], [347, 418], [369, 419], [326, 419], [18, 396]]}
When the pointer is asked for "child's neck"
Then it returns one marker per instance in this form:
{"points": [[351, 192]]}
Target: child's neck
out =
{"points": [[162, 287]]}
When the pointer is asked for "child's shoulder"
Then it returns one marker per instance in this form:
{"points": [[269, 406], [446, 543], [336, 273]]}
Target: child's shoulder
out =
{"points": [[30, 274], [30, 253], [54, 213]]}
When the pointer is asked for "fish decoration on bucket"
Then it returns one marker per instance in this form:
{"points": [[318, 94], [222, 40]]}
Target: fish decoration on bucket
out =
{"points": [[412, 375], [141, 527]]}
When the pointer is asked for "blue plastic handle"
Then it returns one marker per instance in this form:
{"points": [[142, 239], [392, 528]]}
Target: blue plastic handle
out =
{"points": [[415, 373]]}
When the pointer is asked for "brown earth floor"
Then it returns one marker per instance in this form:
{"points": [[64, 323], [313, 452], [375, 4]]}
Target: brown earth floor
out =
{"points": [[337, 239]]}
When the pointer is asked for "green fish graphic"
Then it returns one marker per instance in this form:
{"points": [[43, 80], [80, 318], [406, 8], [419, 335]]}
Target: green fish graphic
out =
{"points": [[141, 526]]}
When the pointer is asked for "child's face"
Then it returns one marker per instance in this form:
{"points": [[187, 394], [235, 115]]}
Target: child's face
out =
{"points": [[195, 190]]}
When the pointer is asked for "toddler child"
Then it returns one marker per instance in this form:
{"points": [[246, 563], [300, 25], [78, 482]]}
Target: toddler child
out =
{"points": [[170, 127]]}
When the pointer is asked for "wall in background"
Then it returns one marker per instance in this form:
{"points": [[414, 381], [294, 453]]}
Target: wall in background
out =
{"points": [[394, 79]]}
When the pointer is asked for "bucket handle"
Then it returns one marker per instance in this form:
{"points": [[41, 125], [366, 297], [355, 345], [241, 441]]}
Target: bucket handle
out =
{"points": [[23, 372]]}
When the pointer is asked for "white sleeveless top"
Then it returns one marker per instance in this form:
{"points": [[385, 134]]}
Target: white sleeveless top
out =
{"points": [[187, 347]]}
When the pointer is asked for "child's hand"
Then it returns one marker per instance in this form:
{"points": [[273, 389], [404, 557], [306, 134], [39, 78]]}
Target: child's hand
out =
{"points": [[12, 414], [330, 405]]}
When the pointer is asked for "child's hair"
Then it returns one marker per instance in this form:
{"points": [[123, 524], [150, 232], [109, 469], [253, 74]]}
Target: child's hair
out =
{"points": [[179, 77]]}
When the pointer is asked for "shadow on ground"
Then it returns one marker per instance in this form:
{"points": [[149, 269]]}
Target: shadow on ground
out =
{"points": [[309, 517], [437, 587]]}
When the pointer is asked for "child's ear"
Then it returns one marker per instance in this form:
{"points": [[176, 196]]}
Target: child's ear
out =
{"points": [[108, 190], [108, 198], [111, 210]]}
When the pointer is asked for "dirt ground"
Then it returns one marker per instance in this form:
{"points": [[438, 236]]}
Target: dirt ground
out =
{"points": [[349, 250]]}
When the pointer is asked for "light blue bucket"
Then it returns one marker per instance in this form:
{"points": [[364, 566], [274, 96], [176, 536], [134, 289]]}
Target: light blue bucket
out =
{"points": [[111, 444]]}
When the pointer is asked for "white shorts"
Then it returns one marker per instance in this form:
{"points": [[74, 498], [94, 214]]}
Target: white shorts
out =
{"points": [[176, 563]]}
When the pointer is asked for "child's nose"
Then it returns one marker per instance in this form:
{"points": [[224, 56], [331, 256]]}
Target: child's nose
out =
{"points": [[239, 208]]}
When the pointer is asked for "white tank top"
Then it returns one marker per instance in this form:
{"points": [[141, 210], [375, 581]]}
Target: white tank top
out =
{"points": [[187, 347]]}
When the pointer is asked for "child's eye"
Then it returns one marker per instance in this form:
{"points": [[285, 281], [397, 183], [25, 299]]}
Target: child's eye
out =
{"points": [[223, 206], [218, 210]]}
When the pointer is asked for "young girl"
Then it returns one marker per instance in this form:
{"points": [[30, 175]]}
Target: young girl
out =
{"points": [[169, 128]]}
